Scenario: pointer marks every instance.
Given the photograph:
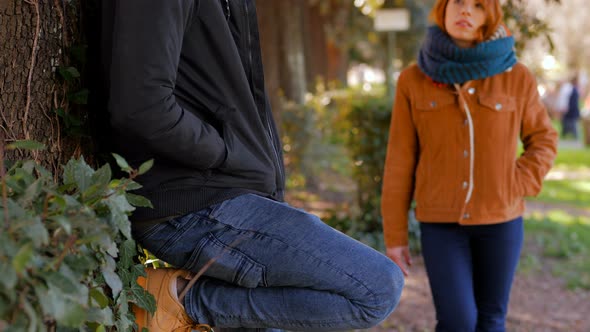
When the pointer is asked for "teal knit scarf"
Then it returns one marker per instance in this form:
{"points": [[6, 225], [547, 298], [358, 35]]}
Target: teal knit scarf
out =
{"points": [[445, 62]]}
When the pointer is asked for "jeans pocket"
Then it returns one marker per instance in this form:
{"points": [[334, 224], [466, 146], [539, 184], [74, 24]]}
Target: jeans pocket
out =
{"points": [[226, 263], [143, 234]]}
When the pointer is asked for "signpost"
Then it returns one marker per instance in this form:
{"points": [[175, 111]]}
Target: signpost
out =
{"points": [[391, 20]]}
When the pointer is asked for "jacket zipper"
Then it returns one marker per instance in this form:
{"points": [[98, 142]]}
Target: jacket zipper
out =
{"points": [[269, 126]]}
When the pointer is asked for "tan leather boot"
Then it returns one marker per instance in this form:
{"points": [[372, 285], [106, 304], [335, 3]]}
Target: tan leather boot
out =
{"points": [[170, 315]]}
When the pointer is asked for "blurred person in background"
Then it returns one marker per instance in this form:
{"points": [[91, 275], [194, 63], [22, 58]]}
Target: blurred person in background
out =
{"points": [[569, 121]]}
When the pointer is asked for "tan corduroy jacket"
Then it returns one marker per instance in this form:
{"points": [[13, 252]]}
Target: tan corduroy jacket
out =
{"points": [[453, 150]]}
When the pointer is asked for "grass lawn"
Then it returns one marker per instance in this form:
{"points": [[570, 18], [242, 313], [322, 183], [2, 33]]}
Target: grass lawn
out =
{"points": [[570, 183], [558, 241]]}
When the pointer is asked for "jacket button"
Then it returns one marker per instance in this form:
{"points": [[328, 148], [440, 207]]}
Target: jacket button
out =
{"points": [[471, 91], [465, 184], [466, 122], [433, 104], [465, 153], [498, 106], [466, 216]]}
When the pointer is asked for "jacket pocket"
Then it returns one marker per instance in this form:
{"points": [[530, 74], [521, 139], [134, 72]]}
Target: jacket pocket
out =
{"points": [[437, 118], [517, 188], [434, 104], [227, 263], [497, 103], [243, 152]]}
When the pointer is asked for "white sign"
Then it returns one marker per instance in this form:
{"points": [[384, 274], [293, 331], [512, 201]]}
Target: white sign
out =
{"points": [[395, 19]]}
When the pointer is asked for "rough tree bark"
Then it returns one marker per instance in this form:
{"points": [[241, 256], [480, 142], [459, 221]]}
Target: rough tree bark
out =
{"points": [[35, 39]]}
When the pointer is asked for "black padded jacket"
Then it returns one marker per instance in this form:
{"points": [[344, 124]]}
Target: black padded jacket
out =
{"points": [[185, 87]]}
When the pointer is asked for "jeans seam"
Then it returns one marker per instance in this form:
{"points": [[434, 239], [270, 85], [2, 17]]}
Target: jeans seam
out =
{"points": [[177, 234], [290, 322], [244, 258]]}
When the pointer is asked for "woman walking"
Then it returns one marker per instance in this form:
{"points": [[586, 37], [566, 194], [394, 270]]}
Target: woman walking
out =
{"points": [[453, 144]]}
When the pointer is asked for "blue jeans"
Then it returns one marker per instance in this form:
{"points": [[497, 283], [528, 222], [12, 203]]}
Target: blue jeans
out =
{"points": [[470, 270], [275, 266], [569, 126]]}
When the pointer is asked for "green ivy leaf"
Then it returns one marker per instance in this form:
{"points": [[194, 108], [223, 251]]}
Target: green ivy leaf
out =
{"points": [[79, 97], [8, 245], [102, 176], [28, 167], [37, 232], [61, 282], [111, 278], [104, 316], [125, 276], [15, 211], [79, 173], [127, 250], [55, 305], [98, 295], [69, 73], [34, 321], [22, 258], [82, 263], [131, 273], [132, 185], [26, 145], [99, 187], [138, 201], [125, 321], [9, 277], [146, 166], [120, 208], [143, 299], [113, 249], [122, 163], [63, 222]]}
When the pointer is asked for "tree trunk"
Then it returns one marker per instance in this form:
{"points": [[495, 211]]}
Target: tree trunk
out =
{"points": [[283, 50], [269, 39], [293, 70], [35, 38], [315, 45]]}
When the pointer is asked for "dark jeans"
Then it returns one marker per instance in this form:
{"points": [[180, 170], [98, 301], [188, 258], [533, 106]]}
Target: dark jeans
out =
{"points": [[470, 270], [276, 266], [569, 126]]}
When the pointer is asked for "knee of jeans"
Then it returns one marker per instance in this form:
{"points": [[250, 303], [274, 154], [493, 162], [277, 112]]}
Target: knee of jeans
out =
{"points": [[491, 321], [387, 293], [456, 321], [392, 287]]}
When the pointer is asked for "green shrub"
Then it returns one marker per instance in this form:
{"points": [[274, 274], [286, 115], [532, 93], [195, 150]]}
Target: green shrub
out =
{"points": [[367, 146], [358, 122], [298, 131], [66, 252]]}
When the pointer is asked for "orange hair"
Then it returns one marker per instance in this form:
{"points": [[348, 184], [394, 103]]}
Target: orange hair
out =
{"points": [[492, 8]]}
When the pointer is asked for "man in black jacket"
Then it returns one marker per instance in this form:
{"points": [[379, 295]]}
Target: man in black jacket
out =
{"points": [[186, 88]]}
